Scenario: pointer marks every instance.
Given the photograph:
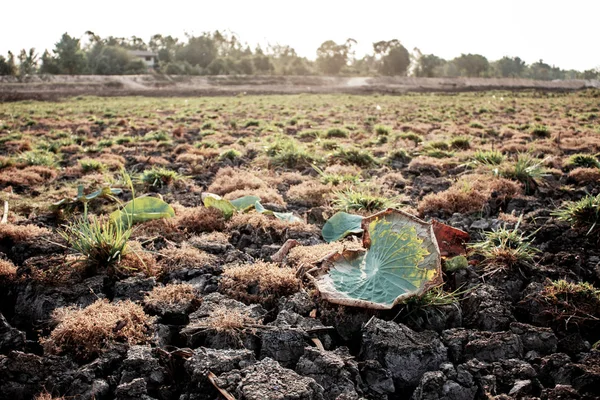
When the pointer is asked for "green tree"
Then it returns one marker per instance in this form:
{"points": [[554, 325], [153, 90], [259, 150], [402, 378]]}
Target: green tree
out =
{"points": [[332, 57], [199, 50], [509, 67], [542, 71], [49, 64], [70, 58], [27, 62], [7, 65], [164, 46], [472, 65], [113, 60], [394, 58], [429, 66]]}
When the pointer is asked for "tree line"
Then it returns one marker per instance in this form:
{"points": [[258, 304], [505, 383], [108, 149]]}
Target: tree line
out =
{"points": [[218, 53]]}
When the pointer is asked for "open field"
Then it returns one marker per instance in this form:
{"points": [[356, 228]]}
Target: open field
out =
{"points": [[52, 87], [91, 307]]}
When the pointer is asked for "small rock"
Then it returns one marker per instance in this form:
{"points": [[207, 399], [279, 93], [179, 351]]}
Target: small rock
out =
{"points": [[480, 224], [134, 288], [10, 338], [521, 388], [268, 380], [466, 344], [406, 353]]}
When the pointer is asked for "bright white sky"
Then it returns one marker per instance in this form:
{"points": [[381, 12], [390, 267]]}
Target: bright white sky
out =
{"points": [[562, 33]]}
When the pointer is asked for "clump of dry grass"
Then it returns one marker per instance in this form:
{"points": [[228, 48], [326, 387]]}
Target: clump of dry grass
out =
{"points": [[309, 193], [470, 194], [585, 176], [85, 333], [47, 396], [7, 269], [260, 282], [28, 176], [229, 179], [223, 319], [200, 219], [302, 256], [186, 256], [21, 233], [180, 296], [138, 260]]}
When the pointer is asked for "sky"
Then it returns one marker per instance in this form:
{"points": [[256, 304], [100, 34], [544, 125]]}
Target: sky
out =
{"points": [[562, 33]]}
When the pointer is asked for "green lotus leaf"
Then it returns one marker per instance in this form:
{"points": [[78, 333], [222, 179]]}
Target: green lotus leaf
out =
{"points": [[104, 192], [142, 209], [287, 217], [245, 203], [401, 259], [212, 200], [341, 225]]}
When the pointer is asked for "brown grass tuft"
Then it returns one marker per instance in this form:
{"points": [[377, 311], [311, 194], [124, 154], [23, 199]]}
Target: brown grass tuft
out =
{"points": [[138, 260], [21, 233], [229, 180], [470, 194], [302, 256], [309, 193], [200, 219], [585, 176], [186, 256], [84, 333], [7, 269], [47, 396], [172, 295], [260, 282], [28, 176], [226, 320]]}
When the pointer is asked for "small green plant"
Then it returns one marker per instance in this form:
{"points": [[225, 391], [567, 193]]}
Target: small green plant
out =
{"points": [[336, 133], [99, 242], [38, 157], [159, 177], [335, 179], [584, 213], [476, 125], [309, 135], [439, 145], [289, 154], [527, 170], [583, 161], [251, 122], [159, 136], [361, 158], [540, 131], [91, 165], [330, 145], [460, 143], [230, 154], [413, 137], [489, 157], [353, 199], [505, 248], [436, 153], [399, 156], [381, 130]]}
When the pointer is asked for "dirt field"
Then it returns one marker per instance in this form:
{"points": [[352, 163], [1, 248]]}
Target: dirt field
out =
{"points": [[221, 296], [52, 87]]}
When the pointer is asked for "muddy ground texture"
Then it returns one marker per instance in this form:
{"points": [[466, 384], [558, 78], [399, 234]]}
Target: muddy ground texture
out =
{"points": [[497, 339]]}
